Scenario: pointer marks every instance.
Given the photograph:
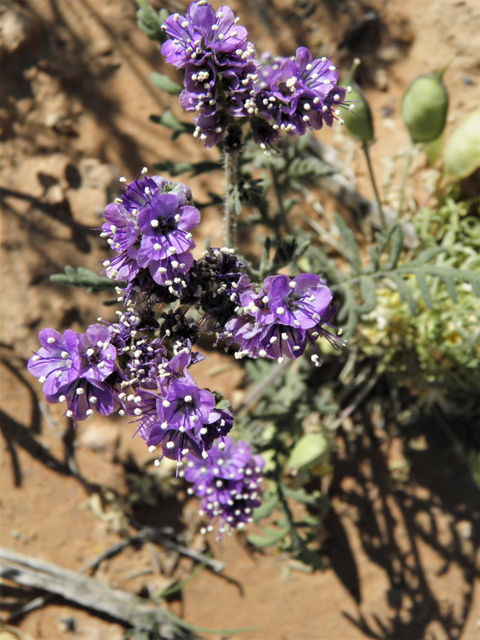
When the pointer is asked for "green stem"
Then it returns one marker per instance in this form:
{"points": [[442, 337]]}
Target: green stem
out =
{"points": [[297, 541], [232, 201], [374, 185], [406, 169], [278, 195]]}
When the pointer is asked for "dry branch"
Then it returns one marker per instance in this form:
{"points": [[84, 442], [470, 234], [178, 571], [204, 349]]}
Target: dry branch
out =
{"points": [[87, 592]]}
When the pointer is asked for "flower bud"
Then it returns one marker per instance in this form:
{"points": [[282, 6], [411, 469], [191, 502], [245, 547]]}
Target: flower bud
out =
{"points": [[424, 107], [359, 119]]}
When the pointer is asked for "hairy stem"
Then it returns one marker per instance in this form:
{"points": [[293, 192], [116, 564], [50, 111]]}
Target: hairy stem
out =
{"points": [[232, 199], [374, 185]]}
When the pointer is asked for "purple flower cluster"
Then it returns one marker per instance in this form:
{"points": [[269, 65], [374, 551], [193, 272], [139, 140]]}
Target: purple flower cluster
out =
{"points": [[219, 67], [225, 82], [299, 94], [140, 365], [149, 227], [228, 484], [79, 369], [281, 319]]}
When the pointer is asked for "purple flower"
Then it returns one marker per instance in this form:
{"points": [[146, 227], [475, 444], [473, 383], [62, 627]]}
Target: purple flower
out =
{"points": [[299, 94], [149, 227], [219, 67], [181, 420], [283, 318], [92, 354], [53, 363], [79, 369], [205, 35], [264, 134], [165, 226], [228, 483]]}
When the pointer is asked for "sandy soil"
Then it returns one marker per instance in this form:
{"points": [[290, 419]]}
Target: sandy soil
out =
{"points": [[403, 536]]}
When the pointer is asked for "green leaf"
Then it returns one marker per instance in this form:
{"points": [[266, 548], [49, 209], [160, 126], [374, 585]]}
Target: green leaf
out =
{"points": [[169, 120], [369, 295], [395, 236], [351, 252], [85, 278], [301, 495], [173, 168], [404, 292], [183, 583], [266, 509], [424, 290], [150, 22], [192, 627], [308, 451], [164, 83], [271, 537]]}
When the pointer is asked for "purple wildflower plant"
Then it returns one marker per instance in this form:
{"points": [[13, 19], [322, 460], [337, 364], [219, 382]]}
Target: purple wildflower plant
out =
{"points": [[224, 81], [140, 365], [228, 482]]}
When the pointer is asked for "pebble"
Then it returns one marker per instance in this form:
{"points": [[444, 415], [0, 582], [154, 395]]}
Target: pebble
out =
{"points": [[18, 28]]}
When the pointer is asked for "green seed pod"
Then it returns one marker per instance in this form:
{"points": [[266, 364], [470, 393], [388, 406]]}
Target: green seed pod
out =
{"points": [[462, 155], [308, 451], [424, 107], [359, 119]]}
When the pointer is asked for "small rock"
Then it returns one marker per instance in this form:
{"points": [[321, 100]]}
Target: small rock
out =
{"points": [[54, 194], [67, 624], [389, 54], [464, 528], [18, 27], [380, 78]]}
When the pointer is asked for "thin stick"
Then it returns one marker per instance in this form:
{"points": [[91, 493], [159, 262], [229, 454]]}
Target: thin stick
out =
{"points": [[146, 533]]}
